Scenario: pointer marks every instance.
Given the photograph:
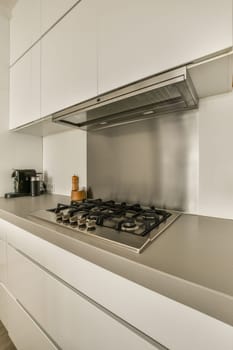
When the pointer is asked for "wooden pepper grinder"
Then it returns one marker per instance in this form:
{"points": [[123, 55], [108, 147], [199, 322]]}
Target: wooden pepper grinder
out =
{"points": [[77, 195]]}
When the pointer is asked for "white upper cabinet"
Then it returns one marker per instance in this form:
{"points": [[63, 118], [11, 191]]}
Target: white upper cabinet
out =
{"points": [[24, 27], [140, 38], [25, 89], [69, 60], [52, 11], [101, 45], [31, 19]]}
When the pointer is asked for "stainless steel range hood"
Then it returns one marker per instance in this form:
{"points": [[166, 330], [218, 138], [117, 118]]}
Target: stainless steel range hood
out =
{"points": [[172, 91]]}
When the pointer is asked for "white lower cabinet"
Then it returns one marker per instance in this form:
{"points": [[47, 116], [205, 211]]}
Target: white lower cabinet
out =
{"points": [[2, 261], [3, 306], [23, 331], [175, 325], [83, 306], [3, 276], [70, 319]]}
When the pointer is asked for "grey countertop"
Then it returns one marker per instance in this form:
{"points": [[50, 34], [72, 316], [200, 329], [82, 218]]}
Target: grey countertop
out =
{"points": [[191, 262]]}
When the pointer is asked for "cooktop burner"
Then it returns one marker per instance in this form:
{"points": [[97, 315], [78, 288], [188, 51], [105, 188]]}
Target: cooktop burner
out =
{"points": [[129, 225]]}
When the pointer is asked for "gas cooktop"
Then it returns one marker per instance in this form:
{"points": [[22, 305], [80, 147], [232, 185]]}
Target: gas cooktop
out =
{"points": [[127, 225]]}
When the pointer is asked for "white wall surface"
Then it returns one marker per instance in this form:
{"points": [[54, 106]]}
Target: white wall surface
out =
{"points": [[216, 156], [16, 150], [64, 155]]}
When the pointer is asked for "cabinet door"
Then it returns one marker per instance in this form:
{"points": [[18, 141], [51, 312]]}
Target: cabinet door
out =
{"points": [[69, 69], [141, 38], [25, 89], [3, 306], [2, 262], [52, 11], [71, 320], [23, 331], [24, 27], [2, 230]]}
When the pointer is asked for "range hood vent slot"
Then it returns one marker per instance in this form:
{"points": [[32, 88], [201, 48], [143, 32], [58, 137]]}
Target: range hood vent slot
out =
{"points": [[165, 93]]}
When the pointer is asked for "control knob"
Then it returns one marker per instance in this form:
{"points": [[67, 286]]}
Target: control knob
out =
{"points": [[66, 219], [82, 223], [73, 221], [59, 217], [91, 224]]}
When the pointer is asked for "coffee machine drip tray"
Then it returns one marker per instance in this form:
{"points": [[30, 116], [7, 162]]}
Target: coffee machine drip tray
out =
{"points": [[15, 195]]}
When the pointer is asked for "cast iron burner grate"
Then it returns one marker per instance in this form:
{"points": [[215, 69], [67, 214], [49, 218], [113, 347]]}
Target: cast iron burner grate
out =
{"points": [[121, 217]]}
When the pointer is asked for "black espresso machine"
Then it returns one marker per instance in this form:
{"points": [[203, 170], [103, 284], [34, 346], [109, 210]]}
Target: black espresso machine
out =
{"points": [[22, 183]]}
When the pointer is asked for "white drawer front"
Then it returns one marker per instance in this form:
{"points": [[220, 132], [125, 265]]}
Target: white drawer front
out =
{"points": [[2, 261], [23, 331], [3, 305], [72, 321], [2, 230]]}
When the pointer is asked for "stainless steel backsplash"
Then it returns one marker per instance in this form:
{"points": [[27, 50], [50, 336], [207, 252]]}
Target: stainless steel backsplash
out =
{"points": [[150, 162]]}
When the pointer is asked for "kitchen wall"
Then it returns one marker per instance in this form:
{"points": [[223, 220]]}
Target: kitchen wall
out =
{"points": [[189, 156], [215, 156], [64, 155], [208, 182], [179, 161], [16, 150], [153, 162]]}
